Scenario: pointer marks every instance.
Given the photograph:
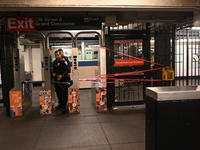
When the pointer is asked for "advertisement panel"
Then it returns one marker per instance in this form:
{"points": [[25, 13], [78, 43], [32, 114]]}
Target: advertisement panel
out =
{"points": [[46, 105], [74, 100], [101, 99], [15, 103]]}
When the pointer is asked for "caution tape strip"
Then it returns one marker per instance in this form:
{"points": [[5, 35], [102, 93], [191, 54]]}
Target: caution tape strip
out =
{"points": [[111, 76]]}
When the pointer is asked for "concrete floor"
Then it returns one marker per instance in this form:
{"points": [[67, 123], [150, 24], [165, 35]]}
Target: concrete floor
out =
{"points": [[121, 129]]}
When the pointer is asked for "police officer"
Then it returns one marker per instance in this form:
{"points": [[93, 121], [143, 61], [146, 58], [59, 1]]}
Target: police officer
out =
{"points": [[60, 74], [64, 57]]}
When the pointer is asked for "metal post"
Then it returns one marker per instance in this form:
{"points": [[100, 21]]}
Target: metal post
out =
{"points": [[173, 49], [147, 49], [109, 43], [187, 53]]}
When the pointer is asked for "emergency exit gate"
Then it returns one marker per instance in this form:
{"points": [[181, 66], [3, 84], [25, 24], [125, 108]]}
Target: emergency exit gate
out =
{"points": [[127, 93]]}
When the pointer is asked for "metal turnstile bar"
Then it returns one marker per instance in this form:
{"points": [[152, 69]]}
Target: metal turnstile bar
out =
{"points": [[24, 82]]}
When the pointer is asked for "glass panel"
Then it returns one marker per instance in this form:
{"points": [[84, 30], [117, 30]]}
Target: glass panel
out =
{"points": [[127, 48], [91, 50], [88, 54]]}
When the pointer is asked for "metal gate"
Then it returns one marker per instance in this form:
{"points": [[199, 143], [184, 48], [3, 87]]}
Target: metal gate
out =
{"points": [[187, 56], [163, 48], [181, 50], [132, 40], [128, 92]]}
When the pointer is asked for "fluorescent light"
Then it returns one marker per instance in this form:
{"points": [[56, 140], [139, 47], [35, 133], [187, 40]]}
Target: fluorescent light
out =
{"points": [[189, 40], [195, 28]]}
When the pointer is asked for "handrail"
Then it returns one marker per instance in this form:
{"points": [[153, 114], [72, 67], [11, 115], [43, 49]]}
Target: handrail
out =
{"points": [[51, 33], [88, 32]]}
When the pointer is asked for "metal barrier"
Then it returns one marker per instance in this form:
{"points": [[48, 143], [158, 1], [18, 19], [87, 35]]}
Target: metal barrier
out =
{"points": [[17, 94], [45, 96], [26, 89]]}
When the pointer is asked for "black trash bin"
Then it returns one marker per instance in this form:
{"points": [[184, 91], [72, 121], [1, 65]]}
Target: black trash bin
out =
{"points": [[172, 118]]}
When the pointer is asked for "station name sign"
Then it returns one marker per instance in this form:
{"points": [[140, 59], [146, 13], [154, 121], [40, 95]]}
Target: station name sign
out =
{"points": [[52, 23]]}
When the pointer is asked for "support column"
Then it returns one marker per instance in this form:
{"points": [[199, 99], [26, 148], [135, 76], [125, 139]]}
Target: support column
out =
{"points": [[173, 49], [7, 43], [109, 43], [162, 53], [146, 53]]}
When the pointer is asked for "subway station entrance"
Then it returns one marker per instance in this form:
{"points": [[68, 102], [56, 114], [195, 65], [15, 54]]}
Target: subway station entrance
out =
{"points": [[34, 53], [117, 49], [130, 48]]}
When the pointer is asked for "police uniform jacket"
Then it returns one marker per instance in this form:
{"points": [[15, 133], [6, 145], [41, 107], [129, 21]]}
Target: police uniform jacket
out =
{"points": [[66, 59], [61, 67]]}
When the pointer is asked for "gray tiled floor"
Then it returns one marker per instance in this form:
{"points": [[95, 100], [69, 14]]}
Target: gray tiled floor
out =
{"points": [[122, 129]]}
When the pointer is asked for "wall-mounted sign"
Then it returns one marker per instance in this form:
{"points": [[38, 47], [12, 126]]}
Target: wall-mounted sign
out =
{"points": [[127, 62], [21, 24], [52, 23]]}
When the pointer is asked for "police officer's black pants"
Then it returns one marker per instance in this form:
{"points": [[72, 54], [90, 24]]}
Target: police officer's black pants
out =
{"points": [[62, 94]]}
